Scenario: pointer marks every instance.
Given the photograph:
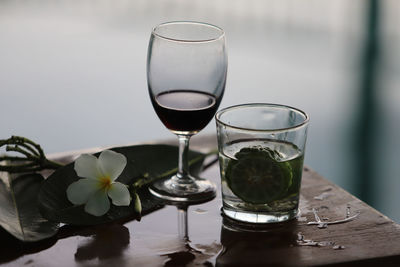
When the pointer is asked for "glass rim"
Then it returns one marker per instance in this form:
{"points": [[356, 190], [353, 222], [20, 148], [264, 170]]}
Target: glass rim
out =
{"points": [[220, 36], [230, 108]]}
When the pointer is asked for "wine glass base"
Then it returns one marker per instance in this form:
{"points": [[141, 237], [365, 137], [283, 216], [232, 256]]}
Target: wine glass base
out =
{"points": [[194, 190]]}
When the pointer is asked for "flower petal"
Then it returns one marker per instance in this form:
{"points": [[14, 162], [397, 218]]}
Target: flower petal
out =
{"points": [[112, 163], [119, 194], [79, 192], [87, 166], [98, 203]]}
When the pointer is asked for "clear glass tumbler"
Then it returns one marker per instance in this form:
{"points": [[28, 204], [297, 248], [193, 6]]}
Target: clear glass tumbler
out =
{"points": [[261, 152]]}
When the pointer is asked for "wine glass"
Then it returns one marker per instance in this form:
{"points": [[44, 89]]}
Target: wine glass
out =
{"points": [[186, 76]]}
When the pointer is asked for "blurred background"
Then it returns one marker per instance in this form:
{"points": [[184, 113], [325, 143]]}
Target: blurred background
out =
{"points": [[73, 76]]}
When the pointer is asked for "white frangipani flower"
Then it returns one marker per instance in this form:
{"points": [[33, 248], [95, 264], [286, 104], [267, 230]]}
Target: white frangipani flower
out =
{"points": [[98, 183]]}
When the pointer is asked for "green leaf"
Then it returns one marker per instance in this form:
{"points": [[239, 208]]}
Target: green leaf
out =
{"points": [[149, 161], [19, 214]]}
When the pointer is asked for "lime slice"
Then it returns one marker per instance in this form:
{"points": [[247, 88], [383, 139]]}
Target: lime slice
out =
{"points": [[257, 177]]}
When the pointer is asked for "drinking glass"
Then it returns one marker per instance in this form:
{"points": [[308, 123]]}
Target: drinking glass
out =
{"points": [[186, 76], [261, 152]]}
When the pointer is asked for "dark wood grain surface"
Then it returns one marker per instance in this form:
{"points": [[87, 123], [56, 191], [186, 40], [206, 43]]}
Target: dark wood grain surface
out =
{"points": [[371, 239]]}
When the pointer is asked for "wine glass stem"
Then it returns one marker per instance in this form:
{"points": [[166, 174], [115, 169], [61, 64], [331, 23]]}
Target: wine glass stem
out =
{"points": [[183, 166]]}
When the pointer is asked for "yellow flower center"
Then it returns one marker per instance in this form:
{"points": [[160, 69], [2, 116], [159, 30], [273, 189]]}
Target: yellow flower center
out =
{"points": [[105, 182]]}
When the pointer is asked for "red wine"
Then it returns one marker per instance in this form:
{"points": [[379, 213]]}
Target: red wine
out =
{"points": [[185, 110]]}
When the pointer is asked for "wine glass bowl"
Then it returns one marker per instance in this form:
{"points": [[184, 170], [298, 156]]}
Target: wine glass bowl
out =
{"points": [[186, 76]]}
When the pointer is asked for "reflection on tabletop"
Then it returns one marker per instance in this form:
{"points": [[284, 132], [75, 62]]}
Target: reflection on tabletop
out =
{"points": [[189, 254], [243, 246]]}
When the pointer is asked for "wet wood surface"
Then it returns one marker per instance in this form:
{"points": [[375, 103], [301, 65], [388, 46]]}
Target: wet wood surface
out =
{"points": [[370, 239]]}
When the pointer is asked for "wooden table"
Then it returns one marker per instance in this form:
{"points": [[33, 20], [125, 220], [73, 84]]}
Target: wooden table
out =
{"points": [[370, 239]]}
